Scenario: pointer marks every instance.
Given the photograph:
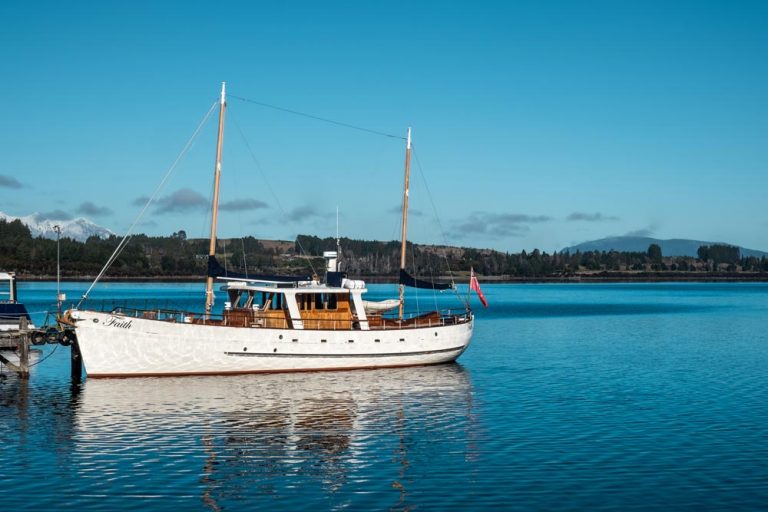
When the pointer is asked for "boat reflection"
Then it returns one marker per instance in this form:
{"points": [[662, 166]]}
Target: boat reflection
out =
{"points": [[267, 434]]}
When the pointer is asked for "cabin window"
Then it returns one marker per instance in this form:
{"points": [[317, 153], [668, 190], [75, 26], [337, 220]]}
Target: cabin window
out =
{"points": [[306, 302], [332, 304], [318, 301]]}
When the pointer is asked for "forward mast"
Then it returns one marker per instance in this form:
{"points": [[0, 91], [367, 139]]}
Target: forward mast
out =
{"points": [[215, 204], [404, 230]]}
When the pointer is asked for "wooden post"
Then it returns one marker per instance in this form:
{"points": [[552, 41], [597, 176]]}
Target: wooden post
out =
{"points": [[76, 362], [23, 348]]}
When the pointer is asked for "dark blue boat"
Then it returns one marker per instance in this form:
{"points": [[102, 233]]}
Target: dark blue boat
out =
{"points": [[11, 310]]}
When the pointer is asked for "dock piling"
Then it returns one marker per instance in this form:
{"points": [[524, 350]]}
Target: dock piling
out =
{"points": [[76, 361]]}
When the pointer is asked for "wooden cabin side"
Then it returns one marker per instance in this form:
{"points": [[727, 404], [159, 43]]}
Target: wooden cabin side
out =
{"points": [[318, 310]]}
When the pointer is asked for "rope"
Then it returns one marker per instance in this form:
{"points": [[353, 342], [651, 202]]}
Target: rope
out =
{"points": [[271, 190], [318, 118], [46, 357], [439, 224], [128, 235]]}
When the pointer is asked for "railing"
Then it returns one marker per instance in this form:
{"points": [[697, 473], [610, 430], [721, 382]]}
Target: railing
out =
{"points": [[230, 318]]}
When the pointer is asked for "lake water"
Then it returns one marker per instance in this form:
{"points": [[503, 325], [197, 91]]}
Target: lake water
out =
{"points": [[571, 397]]}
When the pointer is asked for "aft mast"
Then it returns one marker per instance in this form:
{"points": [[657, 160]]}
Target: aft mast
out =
{"points": [[404, 233], [215, 203]]}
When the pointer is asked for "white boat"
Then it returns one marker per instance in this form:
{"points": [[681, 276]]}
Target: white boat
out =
{"points": [[272, 324]]}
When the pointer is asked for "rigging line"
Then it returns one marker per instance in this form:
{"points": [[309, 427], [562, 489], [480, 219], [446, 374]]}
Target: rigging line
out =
{"points": [[151, 199], [439, 224], [240, 226], [415, 272], [269, 187], [318, 118], [432, 277], [46, 357], [434, 208], [242, 246]]}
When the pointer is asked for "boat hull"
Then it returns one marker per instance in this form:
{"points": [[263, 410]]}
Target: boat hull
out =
{"points": [[113, 345]]}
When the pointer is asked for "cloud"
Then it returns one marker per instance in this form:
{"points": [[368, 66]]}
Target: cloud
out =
{"points": [[9, 182], [242, 205], [304, 213], [498, 224], [55, 215], [140, 201], [645, 232], [414, 212], [182, 201], [590, 217], [88, 208]]}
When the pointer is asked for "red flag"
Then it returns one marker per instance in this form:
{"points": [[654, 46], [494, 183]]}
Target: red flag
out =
{"points": [[475, 285]]}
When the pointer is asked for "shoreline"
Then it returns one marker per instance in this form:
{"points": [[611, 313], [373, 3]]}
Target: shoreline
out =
{"points": [[594, 277]]}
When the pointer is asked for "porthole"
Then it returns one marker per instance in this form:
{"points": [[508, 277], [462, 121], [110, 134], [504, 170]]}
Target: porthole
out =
{"points": [[245, 349], [280, 337], [274, 350]]}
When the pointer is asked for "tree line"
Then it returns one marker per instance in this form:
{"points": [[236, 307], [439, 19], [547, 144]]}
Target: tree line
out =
{"points": [[177, 256]]}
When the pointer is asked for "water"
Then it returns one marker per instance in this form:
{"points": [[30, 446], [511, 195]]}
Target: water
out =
{"points": [[571, 397]]}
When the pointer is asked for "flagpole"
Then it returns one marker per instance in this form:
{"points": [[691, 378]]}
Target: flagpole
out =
{"points": [[469, 286]]}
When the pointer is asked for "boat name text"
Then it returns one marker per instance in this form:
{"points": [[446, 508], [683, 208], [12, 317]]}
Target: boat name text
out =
{"points": [[121, 323]]}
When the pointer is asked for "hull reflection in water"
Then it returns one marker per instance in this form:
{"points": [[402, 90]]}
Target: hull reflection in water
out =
{"points": [[281, 435]]}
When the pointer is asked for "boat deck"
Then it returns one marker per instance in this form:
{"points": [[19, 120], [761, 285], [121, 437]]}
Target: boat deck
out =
{"points": [[278, 319]]}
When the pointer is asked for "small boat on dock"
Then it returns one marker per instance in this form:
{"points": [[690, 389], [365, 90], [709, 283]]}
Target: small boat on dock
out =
{"points": [[274, 323], [11, 310]]}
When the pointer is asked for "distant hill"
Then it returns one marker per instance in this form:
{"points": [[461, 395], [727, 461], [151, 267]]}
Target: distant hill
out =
{"points": [[78, 229], [672, 247]]}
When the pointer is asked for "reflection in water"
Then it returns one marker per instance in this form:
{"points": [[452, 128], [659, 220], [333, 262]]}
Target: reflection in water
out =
{"points": [[252, 437]]}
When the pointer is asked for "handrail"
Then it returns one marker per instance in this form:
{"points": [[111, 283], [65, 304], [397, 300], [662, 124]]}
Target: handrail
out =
{"points": [[378, 322]]}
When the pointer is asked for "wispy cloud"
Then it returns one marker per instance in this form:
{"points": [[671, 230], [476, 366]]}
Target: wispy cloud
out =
{"points": [[140, 201], [55, 215], [415, 212], [9, 182], [645, 232], [243, 205], [304, 213], [182, 201], [498, 225], [591, 217], [88, 208]]}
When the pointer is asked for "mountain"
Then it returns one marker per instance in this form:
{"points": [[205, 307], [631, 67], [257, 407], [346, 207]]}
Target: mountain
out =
{"points": [[79, 229], [672, 247]]}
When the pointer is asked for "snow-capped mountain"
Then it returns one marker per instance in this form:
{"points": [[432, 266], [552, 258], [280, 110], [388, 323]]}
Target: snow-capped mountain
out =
{"points": [[78, 229]]}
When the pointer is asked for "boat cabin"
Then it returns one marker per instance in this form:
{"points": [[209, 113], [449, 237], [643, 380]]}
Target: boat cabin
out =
{"points": [[302, 305]]}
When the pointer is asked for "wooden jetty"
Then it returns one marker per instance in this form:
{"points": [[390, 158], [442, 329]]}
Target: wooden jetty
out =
{"points": [[17, 343]]}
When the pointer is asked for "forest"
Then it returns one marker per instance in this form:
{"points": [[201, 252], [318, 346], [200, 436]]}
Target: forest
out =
{"points": [[178, 257]]}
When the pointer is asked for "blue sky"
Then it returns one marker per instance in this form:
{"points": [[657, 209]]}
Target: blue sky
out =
{"points": [[536, 124]]}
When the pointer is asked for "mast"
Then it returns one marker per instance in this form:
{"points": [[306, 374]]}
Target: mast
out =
{"points": [[404, 233], [215, 203]]}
